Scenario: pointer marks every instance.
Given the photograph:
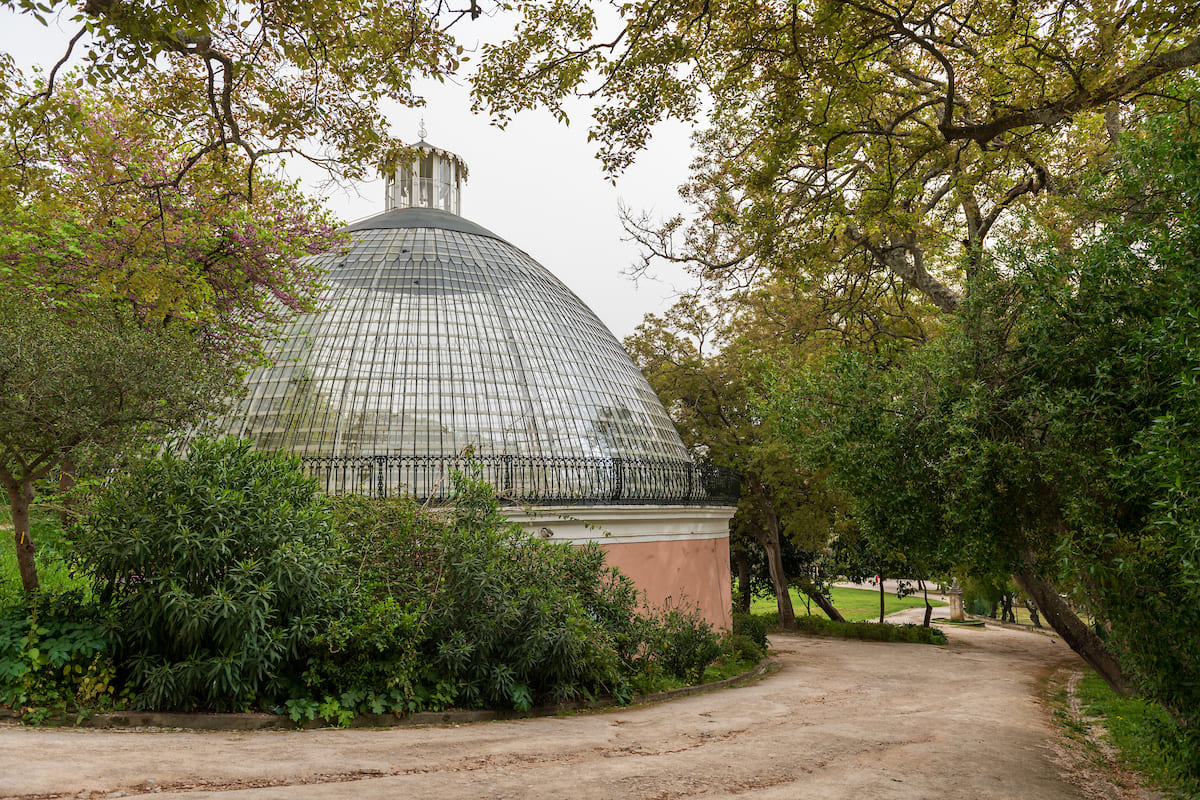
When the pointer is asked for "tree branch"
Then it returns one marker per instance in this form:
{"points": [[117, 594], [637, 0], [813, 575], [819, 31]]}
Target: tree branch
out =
{"points": [[1079, 100]]}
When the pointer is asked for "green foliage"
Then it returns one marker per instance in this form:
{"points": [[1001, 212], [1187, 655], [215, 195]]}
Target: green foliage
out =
{"points": [[54, 658], [90, 380], [515, 622], [387, 578], [743, 648], [854, 604], [859, 152], [53, 557], [215, 565], [752, 627], [705, 367], [1110, 336], [219, 584], [276, 94], [870, 631], [1145, 738], [1053, 424], [687, 645], [464, 607]]}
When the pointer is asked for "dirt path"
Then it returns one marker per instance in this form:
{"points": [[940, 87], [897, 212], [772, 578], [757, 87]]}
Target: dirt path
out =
{"points": [[836, 719]]}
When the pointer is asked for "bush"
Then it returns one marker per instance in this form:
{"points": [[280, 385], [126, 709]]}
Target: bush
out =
{"points": [[470, 609], [387, 578], [739, 647], [688, 644], [215, 566], [466, 608], [53, 657], [752, 626], [870, 631]]}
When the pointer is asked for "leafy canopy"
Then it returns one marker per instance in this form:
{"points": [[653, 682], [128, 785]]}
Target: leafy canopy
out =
{"points": [[1054, 421], [259, 80], [97, 218], [856, 142]]}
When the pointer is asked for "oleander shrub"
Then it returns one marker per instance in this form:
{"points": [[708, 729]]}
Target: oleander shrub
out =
{"points": [[215, 566], [467, 608], [461, 607]]}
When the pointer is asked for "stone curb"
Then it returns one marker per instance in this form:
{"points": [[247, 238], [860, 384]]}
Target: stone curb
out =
{"points": [[275, 722]]}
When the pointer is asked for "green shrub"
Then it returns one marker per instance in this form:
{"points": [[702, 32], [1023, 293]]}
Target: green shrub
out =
{"points": [[215, 566], [387, 578], [870, 631], [687, 645], [463, 607], [740, 647], [53, 657], [752, 626], [468, 608]]}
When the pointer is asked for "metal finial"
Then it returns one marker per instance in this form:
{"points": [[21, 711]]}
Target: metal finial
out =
{"points": [[421, 130]]}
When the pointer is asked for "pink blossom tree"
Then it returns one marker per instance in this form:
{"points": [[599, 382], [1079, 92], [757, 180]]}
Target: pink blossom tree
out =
{"points": [[135, 292]]}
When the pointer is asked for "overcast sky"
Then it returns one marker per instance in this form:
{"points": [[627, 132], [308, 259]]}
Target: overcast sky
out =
{"points": [[536, 183]]}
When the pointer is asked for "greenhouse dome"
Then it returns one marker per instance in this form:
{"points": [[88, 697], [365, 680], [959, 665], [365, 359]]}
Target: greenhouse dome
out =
{"points": [[439, 346], [439, 343]]}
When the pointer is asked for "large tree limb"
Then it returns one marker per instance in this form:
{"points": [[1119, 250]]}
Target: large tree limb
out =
{"points": [[1080, 100], [906, 263]]}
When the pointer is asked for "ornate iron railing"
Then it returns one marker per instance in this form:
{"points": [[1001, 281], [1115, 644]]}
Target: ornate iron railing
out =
{"points": [[521, 480]]}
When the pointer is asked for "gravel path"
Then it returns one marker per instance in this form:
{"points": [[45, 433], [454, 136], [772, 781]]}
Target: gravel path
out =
{"points": [[834, 719]]}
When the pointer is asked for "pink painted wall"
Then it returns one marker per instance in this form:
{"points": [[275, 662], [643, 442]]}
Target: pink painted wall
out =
{"points": [[691, 571]]}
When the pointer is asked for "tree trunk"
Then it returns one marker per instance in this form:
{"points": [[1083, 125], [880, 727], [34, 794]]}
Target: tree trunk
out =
{"points": [[928, 608], [769, 539], [66, 482], [811, 590], [20, 496], [1078, 636], [743, 570], [881, 599]]}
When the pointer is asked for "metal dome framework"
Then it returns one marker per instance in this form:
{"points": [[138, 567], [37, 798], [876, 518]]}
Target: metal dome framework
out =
{"points": [[441, 346]]}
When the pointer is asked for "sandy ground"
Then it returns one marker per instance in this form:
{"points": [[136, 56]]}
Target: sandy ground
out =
{"points": [[834, 719]]}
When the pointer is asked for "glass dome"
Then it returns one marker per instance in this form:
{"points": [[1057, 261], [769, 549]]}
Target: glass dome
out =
{"points": [[439, 341]]}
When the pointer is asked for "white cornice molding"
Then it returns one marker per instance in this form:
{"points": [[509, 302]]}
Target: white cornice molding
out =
{"points": [[624, 524]]}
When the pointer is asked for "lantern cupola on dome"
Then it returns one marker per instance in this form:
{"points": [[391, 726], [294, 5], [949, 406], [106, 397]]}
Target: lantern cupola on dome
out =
{"points": [[433, 179]]}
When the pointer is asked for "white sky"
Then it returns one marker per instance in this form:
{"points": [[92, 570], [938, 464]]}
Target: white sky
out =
{"points": [[536, 183]]}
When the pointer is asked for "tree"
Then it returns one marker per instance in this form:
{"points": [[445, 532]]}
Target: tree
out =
{"points": [[91, 218], [930, 471], [130, 305], [857, 141], [703, 371], [90, 380], [262, 81], [1046, 432], [855, 144]]}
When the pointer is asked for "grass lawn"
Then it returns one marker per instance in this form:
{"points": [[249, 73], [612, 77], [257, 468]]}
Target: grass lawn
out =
{"points": [[53, 572], [856, 605], [1144, 736]]}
